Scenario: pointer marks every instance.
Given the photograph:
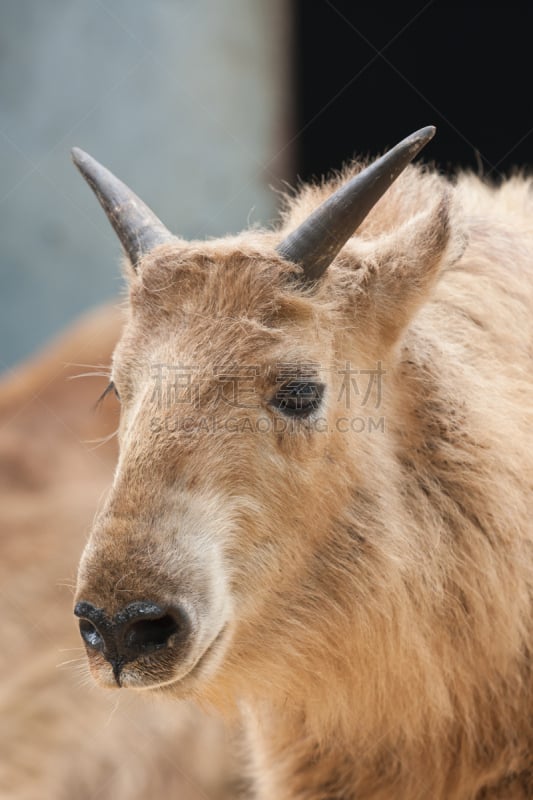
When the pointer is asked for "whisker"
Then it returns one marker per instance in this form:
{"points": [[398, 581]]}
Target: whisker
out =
{"points": [[89, 375], [78, 660], [99, 442], [84, 680], [67, 583], [87, 366], [112, 712]]}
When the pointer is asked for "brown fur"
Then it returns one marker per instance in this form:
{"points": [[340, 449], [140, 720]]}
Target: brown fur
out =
{"points": [[372, 590], [61, 739]]}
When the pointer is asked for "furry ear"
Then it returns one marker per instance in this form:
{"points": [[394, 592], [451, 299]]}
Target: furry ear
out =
{"points": [[399, 270]]}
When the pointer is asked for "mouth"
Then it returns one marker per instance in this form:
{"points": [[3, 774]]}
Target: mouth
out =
{"points": [[207, 661], [133, 676]]}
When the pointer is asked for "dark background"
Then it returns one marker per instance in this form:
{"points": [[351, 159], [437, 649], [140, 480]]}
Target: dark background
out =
{"points": [[367, 74]]}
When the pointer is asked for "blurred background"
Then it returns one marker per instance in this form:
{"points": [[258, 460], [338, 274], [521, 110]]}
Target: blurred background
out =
{"points": [[187, 101], [204, 106]]}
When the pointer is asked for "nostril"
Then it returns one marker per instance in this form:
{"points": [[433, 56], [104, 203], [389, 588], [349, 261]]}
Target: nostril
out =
{"points": [[139, 629], [91, 635], [151, 634]]}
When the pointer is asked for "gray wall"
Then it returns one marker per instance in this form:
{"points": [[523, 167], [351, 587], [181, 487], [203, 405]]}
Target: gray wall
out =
{"points": [[186, 100]]}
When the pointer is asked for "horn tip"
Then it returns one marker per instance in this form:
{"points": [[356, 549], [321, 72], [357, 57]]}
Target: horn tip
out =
{"points": [[77, 154], [81, 159], [416, 141], [425, 134]]}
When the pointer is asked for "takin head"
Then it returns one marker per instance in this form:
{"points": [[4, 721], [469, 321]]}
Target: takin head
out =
{"points": [[244, 491]]}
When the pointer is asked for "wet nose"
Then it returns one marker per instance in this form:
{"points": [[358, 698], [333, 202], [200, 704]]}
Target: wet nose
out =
{"points": [[138, 630]]}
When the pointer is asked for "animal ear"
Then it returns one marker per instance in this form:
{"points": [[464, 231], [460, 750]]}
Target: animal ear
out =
{"points": [[316, 242], [399, 270]]}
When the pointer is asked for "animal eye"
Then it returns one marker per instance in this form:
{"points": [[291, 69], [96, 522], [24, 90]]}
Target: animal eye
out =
{"points": [[109, 388], [297, 398]]}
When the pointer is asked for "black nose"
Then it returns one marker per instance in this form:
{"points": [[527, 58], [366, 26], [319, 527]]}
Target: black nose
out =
{"points": [[138, 630]]}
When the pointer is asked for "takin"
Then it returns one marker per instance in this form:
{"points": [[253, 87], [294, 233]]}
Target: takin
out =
{"points": [[322, 512]]}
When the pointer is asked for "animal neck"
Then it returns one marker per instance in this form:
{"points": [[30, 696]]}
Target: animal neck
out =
{"points": [[393, 677], [292, 763]]}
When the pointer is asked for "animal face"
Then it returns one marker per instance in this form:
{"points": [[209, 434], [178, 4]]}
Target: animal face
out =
{"points": [[226, 379], [245, 387]]}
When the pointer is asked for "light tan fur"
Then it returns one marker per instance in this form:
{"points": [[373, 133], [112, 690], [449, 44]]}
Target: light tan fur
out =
{"points": [[61, 738], [371, 590]]}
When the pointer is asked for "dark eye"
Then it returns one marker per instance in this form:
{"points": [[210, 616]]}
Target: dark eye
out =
{"points": [[297, 398]]}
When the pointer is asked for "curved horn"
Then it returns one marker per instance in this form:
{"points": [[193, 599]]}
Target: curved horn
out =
{"points": [[316, 242], [135, 224]]}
